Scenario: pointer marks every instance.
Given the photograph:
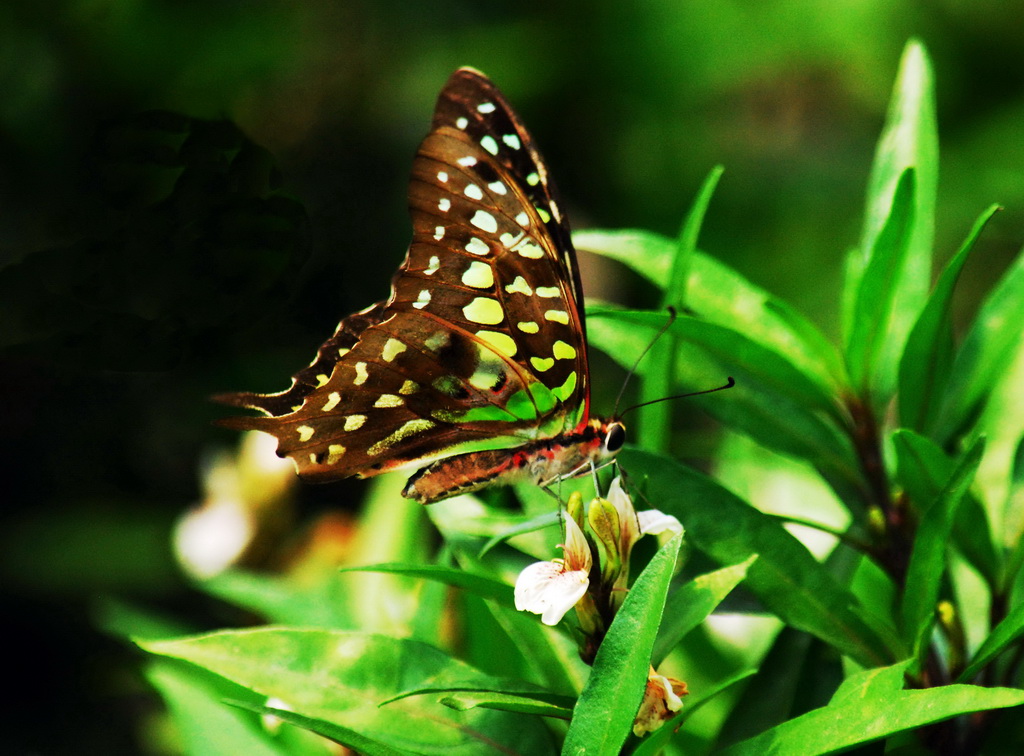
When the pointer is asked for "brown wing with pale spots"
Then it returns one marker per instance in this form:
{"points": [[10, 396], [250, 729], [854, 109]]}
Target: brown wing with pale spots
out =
{"points": [[485, 304], [480, 189]]}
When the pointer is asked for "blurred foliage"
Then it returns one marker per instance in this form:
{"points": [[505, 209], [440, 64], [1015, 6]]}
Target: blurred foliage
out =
{"points": [[193, 193]]}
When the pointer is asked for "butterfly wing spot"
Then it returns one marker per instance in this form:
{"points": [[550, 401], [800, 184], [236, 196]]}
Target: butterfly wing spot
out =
{"points": [[473, 192], [542, 363], [485, 107], [392, 348], [477, 246], [438, 233], [484, 311], [528, 326], [422, 300], [532, 178], [462, 122], [548, 292], [564, 391], [409, 387], [484, 221], [555, 211], [409, 428], [321, 379], [512, 141], [467, 162], [434, 264], [529, 250], [388, 400], [502, 342], [437, 341], [489, 144], [332, 401], [478, 275], [563, 351], [444, 205], [342, 351], [361, 374], [334, 452], [557, 316], [442, 176], [497, 187], [354, 422], [490, 376], [523, 219], [451, 386], [519, 286], [305, 433]]}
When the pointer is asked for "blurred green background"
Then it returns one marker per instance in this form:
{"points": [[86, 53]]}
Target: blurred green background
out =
{"points": [[152, 253]]}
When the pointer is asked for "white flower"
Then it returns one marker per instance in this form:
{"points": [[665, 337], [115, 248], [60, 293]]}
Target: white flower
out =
{"points": [[636, 524], [551, 589]]}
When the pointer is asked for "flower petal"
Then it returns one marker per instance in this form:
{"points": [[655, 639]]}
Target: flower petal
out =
{"points": [[548, 589], [654, 521]]}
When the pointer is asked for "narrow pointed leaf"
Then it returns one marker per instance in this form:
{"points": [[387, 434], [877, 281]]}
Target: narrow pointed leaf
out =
{"points": [[876, 335], [719, 294], [690, 604], [787, 579], [909, 140], [1005, 633], [481, 585], [204, 727], [341, 677], [656, 419], [928, 557], [345, 736], [922, 469], [989, 347], [928, 356], [604, 714], [834, 728]]}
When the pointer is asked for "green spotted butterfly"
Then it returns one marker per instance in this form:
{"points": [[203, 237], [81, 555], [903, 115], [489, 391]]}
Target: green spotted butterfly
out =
{"points": [[475, 368]]}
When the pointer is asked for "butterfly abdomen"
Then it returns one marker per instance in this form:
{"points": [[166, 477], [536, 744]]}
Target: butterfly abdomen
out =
{"points": [[542, 462]]}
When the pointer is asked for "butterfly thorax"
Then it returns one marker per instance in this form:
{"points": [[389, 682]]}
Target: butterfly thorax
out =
{"points": [[543, 462]]}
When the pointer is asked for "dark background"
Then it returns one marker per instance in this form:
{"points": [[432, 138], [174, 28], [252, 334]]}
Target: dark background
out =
{"points": [[192, 194]]}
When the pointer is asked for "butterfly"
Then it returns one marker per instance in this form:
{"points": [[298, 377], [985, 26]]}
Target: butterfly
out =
{"points": [[474, 370]]}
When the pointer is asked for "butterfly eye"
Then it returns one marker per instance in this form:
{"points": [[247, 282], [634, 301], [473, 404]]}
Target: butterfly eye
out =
{"points": [[615, 437]]}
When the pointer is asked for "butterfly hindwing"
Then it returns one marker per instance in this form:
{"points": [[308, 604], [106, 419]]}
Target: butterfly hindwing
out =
{"points": [[481, 344]]}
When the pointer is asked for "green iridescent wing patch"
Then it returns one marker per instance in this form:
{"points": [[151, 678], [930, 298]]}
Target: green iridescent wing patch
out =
{"points": [[481, 344]]}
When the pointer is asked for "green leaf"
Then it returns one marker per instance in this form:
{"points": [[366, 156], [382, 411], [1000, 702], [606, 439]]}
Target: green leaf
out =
{"points": [[787, 579], [604, 714], [656, 419], [922, 468], [690, 604], [340, 677], [772, 401], [909, 140], [925, 364], [879, 715], [204, 727], [871, 684], [876, 338], [720, 295], [343, 735], [481, 585], [1005, 633], [280, 600], [990, 345], [539, 705], [928, 556]]}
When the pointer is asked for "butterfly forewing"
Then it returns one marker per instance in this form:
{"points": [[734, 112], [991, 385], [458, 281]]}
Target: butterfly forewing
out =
{"points": [[481, 344]]}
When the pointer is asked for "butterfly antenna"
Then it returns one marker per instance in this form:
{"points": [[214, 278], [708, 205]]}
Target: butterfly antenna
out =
{"points": [[671, 319], [730, 382]]}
